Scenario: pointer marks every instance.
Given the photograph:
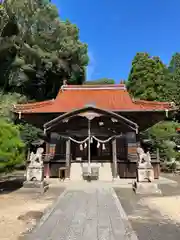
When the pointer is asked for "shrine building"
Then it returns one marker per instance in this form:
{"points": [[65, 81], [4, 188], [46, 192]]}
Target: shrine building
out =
{"points": [[94, 125]]}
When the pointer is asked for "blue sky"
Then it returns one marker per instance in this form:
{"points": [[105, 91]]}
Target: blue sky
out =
{"points": [[115, 30]]}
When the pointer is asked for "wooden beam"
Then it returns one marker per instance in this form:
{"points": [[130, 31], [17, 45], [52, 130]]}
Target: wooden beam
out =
{"points": [[106, 129], [123, 120], [78, 123]]}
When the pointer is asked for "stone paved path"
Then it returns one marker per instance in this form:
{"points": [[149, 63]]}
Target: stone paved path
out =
{"points": [[93, 213]]}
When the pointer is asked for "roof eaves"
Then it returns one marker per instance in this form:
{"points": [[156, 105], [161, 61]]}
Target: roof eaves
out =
{"points": [[126, 121], [95, 87], [28, 106]]}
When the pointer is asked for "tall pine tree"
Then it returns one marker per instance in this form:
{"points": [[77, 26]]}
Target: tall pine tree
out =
{"points": [[174, 78], [147, 78]]}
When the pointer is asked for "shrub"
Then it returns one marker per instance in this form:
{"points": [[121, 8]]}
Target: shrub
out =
{"points": [[11, 146]]}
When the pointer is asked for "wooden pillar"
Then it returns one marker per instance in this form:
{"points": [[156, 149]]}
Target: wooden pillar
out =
{"points": [[47, 168], [68, 157], [89, 146], [158, 163], [114, 153]]}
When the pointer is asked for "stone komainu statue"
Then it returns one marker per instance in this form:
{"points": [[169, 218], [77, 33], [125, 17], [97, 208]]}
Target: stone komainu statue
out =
{"points": [[36, 158], [35, 168], [145, 169], [144, 158]]}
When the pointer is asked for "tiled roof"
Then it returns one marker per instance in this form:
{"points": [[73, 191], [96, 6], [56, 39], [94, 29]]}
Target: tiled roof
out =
{"points": [[109, 97]]}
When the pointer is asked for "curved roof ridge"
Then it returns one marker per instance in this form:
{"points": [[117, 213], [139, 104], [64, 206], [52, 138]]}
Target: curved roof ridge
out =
{"points": [[139, 101], [95, 86], [31, 105]]}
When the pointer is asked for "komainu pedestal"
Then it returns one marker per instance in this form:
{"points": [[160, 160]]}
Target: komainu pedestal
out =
{"points": [[145, 179], [145, 174], [35, 173], [146, 188]]}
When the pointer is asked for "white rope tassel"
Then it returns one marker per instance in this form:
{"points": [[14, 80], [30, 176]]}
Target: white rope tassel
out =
{"points": [[79, 142], [81, 147], [103, 141], [103, 146], [91, 140], [19, 115], [98, 145], [166, 110], [85, 145]]}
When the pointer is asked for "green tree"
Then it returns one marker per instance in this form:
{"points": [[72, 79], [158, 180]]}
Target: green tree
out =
{"points": [[28, 132], [164, 134], [174, 78], [11, 146], [37, 52], [147, 78], [7, 101], [42, 52], [150, 79]]}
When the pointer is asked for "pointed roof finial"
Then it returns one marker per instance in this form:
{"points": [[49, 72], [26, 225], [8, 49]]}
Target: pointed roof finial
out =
{"points": [[121, 81], [64, 82]]}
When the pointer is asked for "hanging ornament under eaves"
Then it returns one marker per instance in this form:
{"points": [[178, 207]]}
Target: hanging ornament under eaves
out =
{"points": [[103, 146], [91, 140], [85, 145], [98, 145], [81, 147]]}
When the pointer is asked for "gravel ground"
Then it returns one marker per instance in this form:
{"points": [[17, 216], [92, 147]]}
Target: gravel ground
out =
{"points": [[154, 217], [21, 209]]}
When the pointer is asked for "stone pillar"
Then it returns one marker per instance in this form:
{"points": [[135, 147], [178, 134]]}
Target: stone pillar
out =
{"points": [[68, 157], [114, 153]]}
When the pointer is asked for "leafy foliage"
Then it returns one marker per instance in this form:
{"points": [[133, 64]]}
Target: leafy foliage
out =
{"points": [[164, 136], [147, 78], [29, 133], [11, 146], [42, 52], [6, 103], [174, 78], [37, 52], [150, 79]]}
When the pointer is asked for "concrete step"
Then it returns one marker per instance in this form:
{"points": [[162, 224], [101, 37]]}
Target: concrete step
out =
{"points": [[105, 172], [76, 171]]}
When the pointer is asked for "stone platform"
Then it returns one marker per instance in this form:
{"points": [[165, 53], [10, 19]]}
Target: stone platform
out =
{"points": [[36, 186], [146, 188]]}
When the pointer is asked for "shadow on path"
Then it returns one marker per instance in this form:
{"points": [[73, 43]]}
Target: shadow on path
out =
{"points": [[11, 184]]}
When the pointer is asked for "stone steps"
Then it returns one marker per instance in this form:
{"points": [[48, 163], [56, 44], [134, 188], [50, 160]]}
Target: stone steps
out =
{"points": [[105, 172], [76, 171]]}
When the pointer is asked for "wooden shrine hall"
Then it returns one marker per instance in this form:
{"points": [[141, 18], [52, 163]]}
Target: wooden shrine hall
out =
{"points": [[93, 126]]}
